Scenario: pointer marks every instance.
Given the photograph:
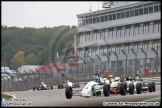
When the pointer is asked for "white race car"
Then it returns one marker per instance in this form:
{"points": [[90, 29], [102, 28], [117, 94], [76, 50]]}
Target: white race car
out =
{"points": [[92, 88], [68, 83], [140, 85], [42, 86]]}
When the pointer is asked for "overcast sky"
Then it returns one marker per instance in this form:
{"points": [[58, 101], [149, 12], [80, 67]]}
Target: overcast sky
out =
{"points": [[41, 14]]}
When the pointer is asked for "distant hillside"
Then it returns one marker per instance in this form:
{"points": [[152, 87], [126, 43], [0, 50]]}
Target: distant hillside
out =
{"points": [[33, 46]]}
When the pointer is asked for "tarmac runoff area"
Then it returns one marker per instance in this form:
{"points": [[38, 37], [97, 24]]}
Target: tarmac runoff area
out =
{"points": [[56, 97]]}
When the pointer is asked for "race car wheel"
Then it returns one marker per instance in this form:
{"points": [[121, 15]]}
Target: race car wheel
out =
{"points": [[75, 85], [153, 87], [51, 87], [123, 89], [58, 86], [61, 86], [106, 90], [131, 89], [69, 92], [150, 87], [34, 88], [37, 88], [138, 88], [42, 88], [78, 86]]}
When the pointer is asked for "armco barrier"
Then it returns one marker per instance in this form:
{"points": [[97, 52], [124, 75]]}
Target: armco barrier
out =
{"points": [[157, 80]]}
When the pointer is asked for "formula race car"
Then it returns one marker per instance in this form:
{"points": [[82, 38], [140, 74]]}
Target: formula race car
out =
{"points": [[42, 86], [137, 85], [130, 84], [95, 87], [140, 85], [68, 83]]}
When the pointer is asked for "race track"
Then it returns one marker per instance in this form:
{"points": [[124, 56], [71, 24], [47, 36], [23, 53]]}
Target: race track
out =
{"points": [[57, 97]]}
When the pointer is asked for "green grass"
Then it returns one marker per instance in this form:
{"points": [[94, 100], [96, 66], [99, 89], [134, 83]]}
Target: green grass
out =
{"points": [[154, 100], [5, 96]]}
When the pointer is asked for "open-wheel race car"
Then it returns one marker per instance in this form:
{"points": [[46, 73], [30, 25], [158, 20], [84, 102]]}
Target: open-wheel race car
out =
{"points": [[141, 86], [95, 87], [136, 85], [43, 86], [68, 83]]}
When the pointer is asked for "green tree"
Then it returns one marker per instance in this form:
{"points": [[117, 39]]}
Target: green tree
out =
{"points": [[30, 59], [17, 60]]}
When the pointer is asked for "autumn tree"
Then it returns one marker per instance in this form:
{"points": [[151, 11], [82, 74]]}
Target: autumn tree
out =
{"points": [[31, 59], [17, 60]]}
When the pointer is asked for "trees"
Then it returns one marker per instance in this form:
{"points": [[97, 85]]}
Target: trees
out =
{"points": [[17, 60]]}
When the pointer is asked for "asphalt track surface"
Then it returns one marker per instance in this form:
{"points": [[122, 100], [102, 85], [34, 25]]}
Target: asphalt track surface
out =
{"points": [[56, 97]]}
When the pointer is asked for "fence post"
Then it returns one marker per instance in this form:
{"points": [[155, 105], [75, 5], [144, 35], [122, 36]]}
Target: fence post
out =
{"points": [[27, 83], [108, 60], [11, 81], [145, 57], [117, 61], [18, 82], [84, 63], [33, 78], [135, 61], [93, 63], [156, 60], [51, 76], [64, 70], [100, 63], [45, 74], [39, 76], [125, 61]]}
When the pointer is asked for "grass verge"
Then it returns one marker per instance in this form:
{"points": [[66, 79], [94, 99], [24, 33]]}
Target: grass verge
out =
{"points": [[5, 96]]}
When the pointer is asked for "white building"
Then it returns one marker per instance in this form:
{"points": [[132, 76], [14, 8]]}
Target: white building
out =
{"points": [[27, 68]]}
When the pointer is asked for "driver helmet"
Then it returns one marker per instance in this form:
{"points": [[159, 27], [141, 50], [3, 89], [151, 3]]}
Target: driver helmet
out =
{"points": [[129, 77], [95, 79], [42, 83], [117, 79], [110, 76], [137, 78]]}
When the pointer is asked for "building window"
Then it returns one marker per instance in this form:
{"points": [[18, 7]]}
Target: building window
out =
{"points": [[118, 16], [87, 22], [106, 18], [122, 33], [136, 12], [127, 33], [106, 35], [131, 31], [97, 19], [151, 28], [90, 20], [151, 9], [102, 35], [127, 14], [105, 50], [140, 30], [156, 28], [110, 34], [83, 21], [149, 47], [141, 11], [102, 18], [156, 8], [110, 17], [114, 16], [147, 29], [131, 13], [135, 31], [98, 36], [114, 34], [146, 10], [90, 39], [118, 34], [122, 14], [94, 20]]}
